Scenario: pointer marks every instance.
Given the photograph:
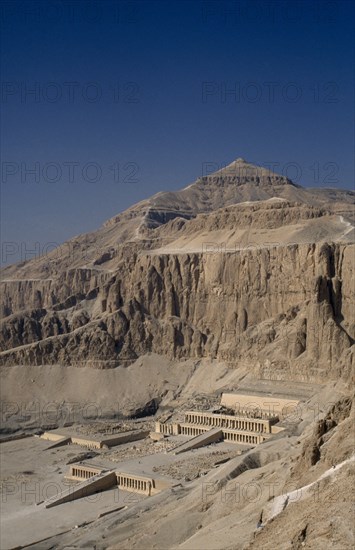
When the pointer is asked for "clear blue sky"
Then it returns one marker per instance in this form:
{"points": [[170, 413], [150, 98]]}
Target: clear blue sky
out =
{"points": [[157, 89]]}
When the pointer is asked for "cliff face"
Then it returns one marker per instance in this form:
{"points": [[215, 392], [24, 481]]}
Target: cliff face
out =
{"points": [[286, 311], [264, 283]]}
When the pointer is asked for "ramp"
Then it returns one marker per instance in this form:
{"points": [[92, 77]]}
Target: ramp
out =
{"points": [[59, 443], [97, 483], [210, 436]]}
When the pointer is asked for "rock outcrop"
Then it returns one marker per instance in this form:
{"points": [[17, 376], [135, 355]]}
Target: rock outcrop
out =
{"points": [[267, 283]]}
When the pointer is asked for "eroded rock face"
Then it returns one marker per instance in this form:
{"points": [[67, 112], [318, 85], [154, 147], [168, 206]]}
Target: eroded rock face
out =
{"points": [[323, 431], [279, 300], [275, 308]]}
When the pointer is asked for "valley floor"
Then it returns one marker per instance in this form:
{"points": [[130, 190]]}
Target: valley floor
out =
{"points": [[218, 493]]}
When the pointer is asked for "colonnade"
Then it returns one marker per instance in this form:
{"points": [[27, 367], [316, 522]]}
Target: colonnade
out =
{"points": [[227, 435], [89, 444], [226, 421], [134, 484], [166, 429], [241, 438], [82, 472], [128, 482], [190, 430]]}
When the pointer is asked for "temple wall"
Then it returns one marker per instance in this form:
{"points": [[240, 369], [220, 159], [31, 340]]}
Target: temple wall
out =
{"points": [[52, 436], [275, 406]]}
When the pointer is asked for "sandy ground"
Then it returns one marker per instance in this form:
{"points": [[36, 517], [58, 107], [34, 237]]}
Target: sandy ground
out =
{"points": [[31, 473], [49, 396], [211, 507]]}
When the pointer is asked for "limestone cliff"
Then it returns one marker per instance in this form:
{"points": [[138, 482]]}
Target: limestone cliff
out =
{"points": [[263, 283]]}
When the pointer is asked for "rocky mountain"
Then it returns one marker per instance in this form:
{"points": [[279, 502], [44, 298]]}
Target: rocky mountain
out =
{"points": [[243, 266]]}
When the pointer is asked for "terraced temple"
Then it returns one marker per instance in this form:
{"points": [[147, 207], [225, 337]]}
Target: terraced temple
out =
{"points": [[250, 426]]}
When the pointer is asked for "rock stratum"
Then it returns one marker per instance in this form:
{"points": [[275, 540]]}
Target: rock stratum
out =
{"points": [[242, 266]]}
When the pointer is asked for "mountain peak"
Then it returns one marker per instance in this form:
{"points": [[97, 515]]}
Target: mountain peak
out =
{"points": [[242, 169]]}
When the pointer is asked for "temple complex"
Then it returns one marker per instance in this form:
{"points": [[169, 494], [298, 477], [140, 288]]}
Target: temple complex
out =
{"points": [[243, 419]]}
